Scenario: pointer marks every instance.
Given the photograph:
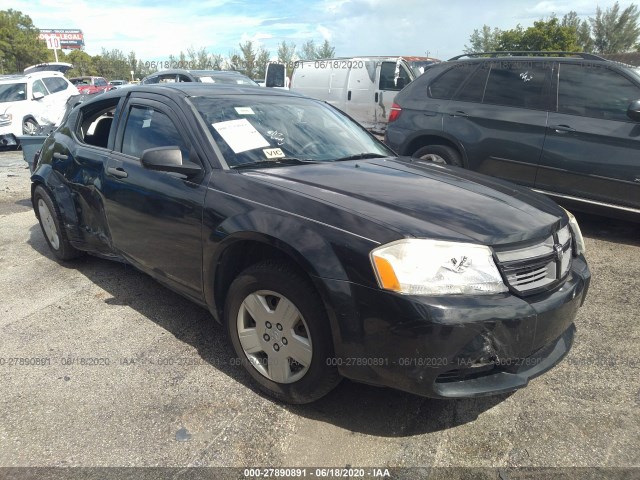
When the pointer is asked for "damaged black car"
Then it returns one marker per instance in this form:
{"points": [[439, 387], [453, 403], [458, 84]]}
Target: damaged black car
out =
{"points": [[323, 254]]}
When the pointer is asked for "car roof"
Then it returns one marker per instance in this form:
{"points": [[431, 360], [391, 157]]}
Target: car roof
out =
{"points": [[26, 76], [196, 89]]}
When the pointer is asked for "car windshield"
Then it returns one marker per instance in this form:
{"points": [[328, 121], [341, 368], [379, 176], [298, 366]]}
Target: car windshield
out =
{"points": [[13, 92], [257, 129]]}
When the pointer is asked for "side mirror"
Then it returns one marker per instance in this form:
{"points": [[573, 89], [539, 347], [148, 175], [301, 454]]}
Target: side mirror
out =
{"points": [[169, 159], [633, 111], [38, 95], [274, 76]]}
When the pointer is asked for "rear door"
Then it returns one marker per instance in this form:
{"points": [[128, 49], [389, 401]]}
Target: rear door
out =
{"points": [[155, 218], [391, 78], [60, 92], [361, 97], [500, 115], [592, 149]]}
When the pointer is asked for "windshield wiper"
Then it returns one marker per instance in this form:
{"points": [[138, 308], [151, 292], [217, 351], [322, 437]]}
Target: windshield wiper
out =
{"points": [[360, 156], [275, 162]]}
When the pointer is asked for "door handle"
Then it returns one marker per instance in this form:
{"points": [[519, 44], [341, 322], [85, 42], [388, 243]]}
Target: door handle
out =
{"points": [[562, 128], [349, 95], [375, 98], [459, 113], [60, 156], [117, 172]]}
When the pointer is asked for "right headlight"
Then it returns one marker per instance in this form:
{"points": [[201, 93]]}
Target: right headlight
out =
{"points": [[577, 234], [434, 267]]}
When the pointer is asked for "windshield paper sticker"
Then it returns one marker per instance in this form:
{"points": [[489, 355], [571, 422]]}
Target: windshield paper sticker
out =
{"points": [[240, 135], [273, 153], [244, 111]]}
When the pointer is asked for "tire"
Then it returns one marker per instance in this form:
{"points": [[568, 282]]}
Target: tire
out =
{"points": [[441, 154], [30, 127], [267, 303], [50, 221]]}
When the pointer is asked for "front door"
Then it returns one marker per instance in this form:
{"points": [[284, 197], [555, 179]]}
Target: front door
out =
{"points": [[592, 149], [155, 218]]}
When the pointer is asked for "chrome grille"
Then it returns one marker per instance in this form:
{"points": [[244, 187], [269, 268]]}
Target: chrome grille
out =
{"points": [[538, 266]]}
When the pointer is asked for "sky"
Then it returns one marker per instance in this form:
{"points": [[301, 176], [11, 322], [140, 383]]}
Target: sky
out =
{"points": [[155, 29]]}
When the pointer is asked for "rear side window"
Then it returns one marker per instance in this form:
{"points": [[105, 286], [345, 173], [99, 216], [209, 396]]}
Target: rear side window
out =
{"points": [[100, 82], [595, 91], [55, 84], [473, 90], [522, 84], [446, 84]]}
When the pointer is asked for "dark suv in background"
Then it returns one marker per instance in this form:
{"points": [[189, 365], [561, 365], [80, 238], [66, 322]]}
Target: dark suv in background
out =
{"points": [[566, 124], [203, 76]]}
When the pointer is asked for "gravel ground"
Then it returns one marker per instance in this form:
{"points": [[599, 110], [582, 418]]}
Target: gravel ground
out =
{"points": [[165, 393]]}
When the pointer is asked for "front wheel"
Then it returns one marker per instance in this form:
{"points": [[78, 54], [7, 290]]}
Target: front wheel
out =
{"points": [[30, 127], [281, 333], [441, 154]]}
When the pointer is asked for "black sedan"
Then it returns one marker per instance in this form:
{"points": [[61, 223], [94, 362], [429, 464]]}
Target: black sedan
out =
{"points": [[323, 254]]}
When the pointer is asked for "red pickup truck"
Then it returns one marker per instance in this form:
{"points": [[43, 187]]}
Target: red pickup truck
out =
{"points": [[89, 85]]}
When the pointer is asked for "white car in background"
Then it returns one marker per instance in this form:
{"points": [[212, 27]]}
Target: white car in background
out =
{"points": [[29, 101]]}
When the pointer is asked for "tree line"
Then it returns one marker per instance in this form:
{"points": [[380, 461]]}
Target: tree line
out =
{"points": [[611, 31], [20, 47]]}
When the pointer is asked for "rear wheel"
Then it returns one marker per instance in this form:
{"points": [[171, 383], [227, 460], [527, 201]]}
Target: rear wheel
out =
{"points": [[280, 332], [50, 222], [441, 154]]}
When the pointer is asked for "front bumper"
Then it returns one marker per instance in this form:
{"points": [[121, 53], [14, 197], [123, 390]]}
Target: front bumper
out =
{"points": [[8, 140], [453, 346]]}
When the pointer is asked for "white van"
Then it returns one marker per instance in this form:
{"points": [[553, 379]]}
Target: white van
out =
{"points": [[363, 87]]}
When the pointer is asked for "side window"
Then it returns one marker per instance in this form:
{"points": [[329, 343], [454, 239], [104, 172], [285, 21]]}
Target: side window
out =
{"points": [[388, 77], [522, 84], [150, 128], [55, 84], [100, 82], [446, 84], [473, 90], [96, 122], [183, 78], [151, 80], [38, 86], [595, 91]]}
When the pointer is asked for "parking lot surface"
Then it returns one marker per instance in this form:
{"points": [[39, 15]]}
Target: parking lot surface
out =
{"points": [[102, 366]]}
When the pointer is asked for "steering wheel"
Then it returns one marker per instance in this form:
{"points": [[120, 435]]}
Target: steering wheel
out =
{"points": [[313, 145]]}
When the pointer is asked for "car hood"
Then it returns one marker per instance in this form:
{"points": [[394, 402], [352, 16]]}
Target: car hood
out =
{"points": [[6, 107], [418, 200]]}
